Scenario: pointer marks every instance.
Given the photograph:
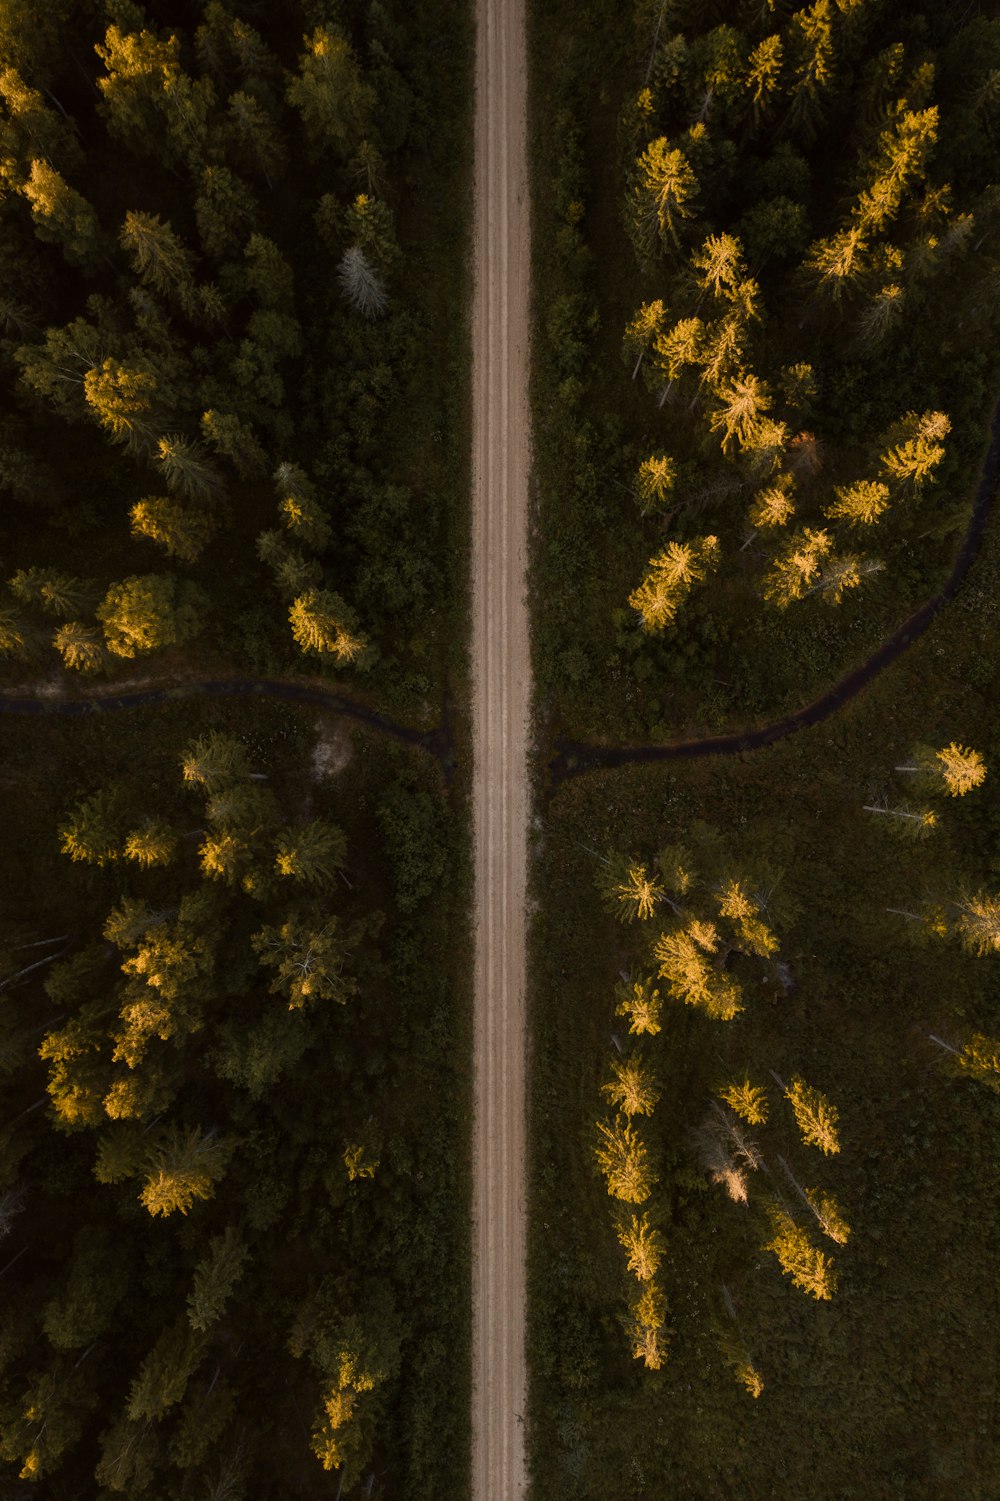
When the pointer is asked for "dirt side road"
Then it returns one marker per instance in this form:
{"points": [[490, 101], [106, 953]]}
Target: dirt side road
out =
{"points": [[501, 678]]}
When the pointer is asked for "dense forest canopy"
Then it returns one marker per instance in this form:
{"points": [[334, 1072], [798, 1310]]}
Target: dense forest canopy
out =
{"points": [[231, 1169], [209, 333], [808, 332]]}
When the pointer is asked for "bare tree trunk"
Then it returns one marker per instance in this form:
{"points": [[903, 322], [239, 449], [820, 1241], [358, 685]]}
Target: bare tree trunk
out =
{"points": [[955, 1052]]}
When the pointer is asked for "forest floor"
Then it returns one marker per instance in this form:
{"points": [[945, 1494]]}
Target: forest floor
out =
{"points": [[502, 677]]}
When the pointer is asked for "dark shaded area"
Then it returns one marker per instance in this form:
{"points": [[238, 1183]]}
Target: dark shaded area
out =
{"points": [[438, 741]]}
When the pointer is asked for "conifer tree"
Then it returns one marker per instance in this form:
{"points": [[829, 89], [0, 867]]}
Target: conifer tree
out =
{"points": [[648, 1316], [815, 1117], [182, 531], [148, 613], [663, 195], [978, 924], [215, 1278], [642, 1005], [166, 1371], [747, 1100], [312, 853], [186, 1166], [623, 1158], [214, 761], [911, 461], [301, 512], [95, 830], [654, 483], [810, 1269], [685, 955], [980, 1060], [860, 504], [334, 99], [308, 959], [152, 843], [954, 769], [774, 506], [633, 1090], [323, 624], [187, 469], [632, 891], [159, 257], [61, 215], [672, 575], [644, 1244]]}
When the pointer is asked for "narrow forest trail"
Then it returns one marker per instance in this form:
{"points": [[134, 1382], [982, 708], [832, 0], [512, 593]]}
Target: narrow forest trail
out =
{"points": [[501, 697]]}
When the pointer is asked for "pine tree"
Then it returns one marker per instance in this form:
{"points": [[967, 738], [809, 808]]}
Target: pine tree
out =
{"points": [[645, 1246], [663, 195], [182, 531], [632, 892], [159, 257], [186, 1166], [153, 843], [623, 1158], [187, 469], [860, 504], [78, 1073], [773, 506], [225, 211], [301, 512], [55, 593], [309, 960], [654, 483], [815, 1117], [312, 854], [980, 1060], [641, 333], [955, 769], [796, 567], [911, 461], [749, 1101], [685, 958], [148, 613], [95, 830], [763, 75], [254, 137], [671, 576], [122, 399], [235, 441], [61, 215], [744, 402], [214, 761], [642, 1005], [164, 1374], [978, 924], [809, 1268], [633, 1089], [322, 623], [648, 1316], [331, 94], [215, 1278]]}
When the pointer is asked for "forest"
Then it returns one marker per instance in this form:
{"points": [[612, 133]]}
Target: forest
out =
{"points": [[233, 967], [766, 1042]]}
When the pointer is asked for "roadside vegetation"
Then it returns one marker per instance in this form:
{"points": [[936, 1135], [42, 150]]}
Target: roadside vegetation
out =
{"points": [[233, 933], [765, 1033]]}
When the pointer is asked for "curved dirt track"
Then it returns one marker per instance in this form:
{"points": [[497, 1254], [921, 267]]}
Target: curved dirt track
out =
{"points": [[501, 691]]}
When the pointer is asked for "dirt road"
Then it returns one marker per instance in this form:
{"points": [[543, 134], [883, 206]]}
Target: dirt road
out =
{"points": [[501, 676]]}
